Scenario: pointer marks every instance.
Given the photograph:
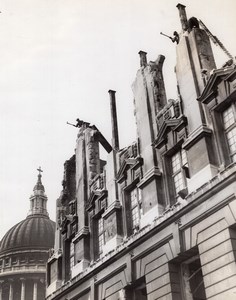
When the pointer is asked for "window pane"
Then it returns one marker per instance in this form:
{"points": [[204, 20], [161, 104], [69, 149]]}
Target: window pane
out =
{"points": [[134, 197], [72, 252], [135, 216], [231, 136], [178, 181], [135, 206], [100, 235], [176, 162], [100, 243], [234, 158], [100, 226], [228, 117], [184, 157]]}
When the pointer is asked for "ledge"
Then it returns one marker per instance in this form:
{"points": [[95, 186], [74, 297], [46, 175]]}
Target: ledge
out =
{"points": [[84, 231], [196, 135], [113, 207], [22, 270], [55, 255], [150, 174]]}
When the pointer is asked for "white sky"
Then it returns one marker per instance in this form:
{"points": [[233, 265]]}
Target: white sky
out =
{"points": [[58, 59]]}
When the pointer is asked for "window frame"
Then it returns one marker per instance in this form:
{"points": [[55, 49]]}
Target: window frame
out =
{"points": [[175, 171], [216, 119], [135, 205], [72, 255], [132, 226], [100, 235], [228, 129], [188, 276]]}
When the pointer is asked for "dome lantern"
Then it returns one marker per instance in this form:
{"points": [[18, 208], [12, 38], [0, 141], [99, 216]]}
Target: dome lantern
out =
{"points": [[38, 201]]}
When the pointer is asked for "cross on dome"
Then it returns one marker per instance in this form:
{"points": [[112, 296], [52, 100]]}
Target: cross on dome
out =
{"points": [[40, 170], [39, 186]]}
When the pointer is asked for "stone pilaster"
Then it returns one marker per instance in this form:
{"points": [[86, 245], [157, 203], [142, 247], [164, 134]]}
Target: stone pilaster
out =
{"points": [[1, 283], [195, 47], [10, 289], [35, 290], [22, 294], [149, 99]]}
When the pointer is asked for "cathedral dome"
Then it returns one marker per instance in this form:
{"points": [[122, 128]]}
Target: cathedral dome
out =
{"points": [[24, 251], [35, 232]]}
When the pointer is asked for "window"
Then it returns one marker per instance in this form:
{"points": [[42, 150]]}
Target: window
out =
{"points": [[140, 292], [7, 262], [179, 167], [53, 271], [135, 207], [137, 292], [192, 280], [72, 255], [72, 207], [22, 259], [229, 118], [100, 235], [14, 260]]}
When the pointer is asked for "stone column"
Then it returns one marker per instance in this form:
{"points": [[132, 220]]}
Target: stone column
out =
{"points": [[11, 290], [22, 295], [1, 283], [35, 291]]}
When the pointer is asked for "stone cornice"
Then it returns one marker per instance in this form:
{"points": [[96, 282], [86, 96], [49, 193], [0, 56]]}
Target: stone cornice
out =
{"points": [[196, 135], [11, 252], [18, 270], [210, 90], [113, 207], [149, 176], [167, 126], [83, 232]]}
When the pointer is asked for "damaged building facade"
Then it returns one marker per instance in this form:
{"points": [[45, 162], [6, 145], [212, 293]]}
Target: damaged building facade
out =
{"points": [[156, 220]]}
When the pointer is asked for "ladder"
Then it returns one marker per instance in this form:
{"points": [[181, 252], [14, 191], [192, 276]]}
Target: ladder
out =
{"points": [[215, 40]]}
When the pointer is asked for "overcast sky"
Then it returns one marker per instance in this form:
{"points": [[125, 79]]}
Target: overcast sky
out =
{"points": [[58, 59]]}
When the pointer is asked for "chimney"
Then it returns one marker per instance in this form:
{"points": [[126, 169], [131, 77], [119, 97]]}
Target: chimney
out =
{"points": [[143, 58], [160, 60], [182, 16], [115, 135]]}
